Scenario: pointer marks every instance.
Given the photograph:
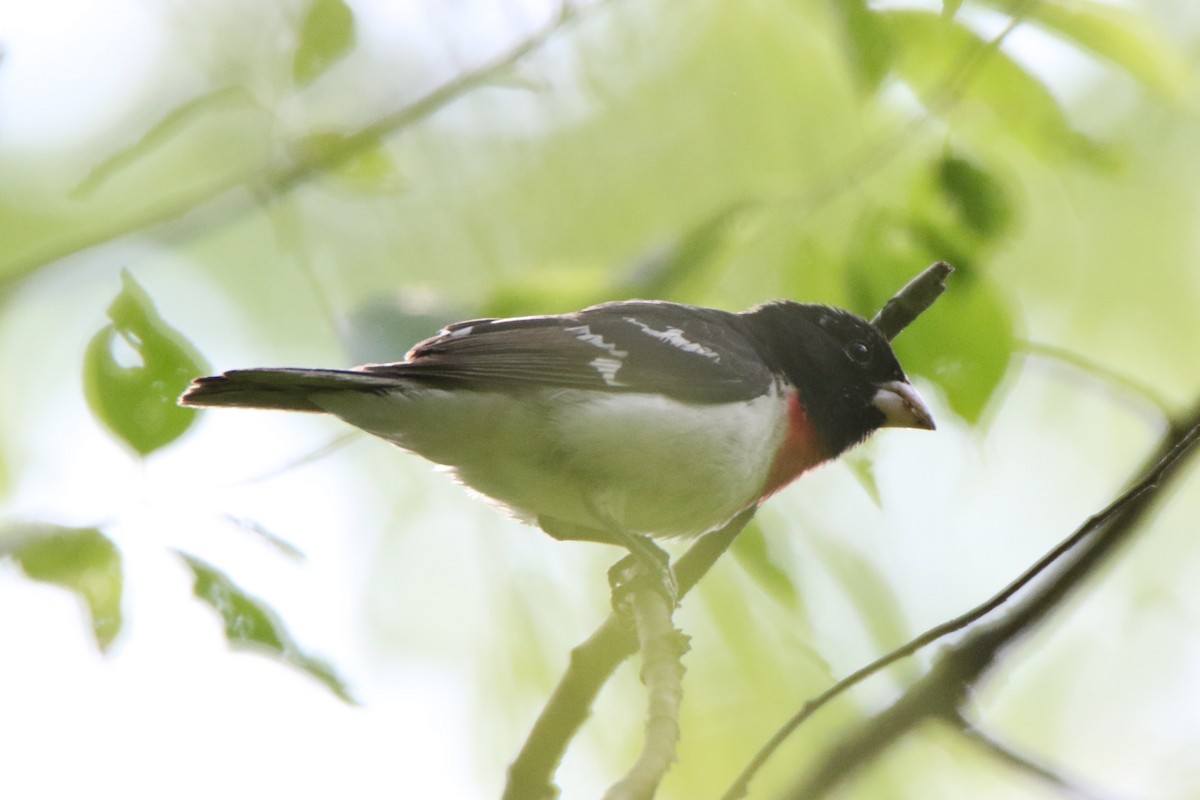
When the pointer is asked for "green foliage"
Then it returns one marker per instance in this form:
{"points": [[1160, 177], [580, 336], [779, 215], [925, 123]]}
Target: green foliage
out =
{"points": [[354, 167], [81, 560], [722, 156], [982, 89], [868, 42], [137, 402], [251, 625], [751, 551], [964, 344], [982, 201], [327, 35], [879, 610], [1119, 34], [174, 124]]}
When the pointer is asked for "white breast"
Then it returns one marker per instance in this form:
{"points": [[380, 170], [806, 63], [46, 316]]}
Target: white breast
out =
{"points": [[640, 461]]}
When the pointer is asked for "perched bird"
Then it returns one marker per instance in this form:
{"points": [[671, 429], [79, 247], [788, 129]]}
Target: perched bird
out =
{"points": [[623, 420]]}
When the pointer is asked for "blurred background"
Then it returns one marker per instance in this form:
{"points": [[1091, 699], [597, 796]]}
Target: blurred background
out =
{"points": [[248, 603]]}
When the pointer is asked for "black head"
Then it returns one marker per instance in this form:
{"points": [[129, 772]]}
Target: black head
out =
{"points": [[848, 377]]}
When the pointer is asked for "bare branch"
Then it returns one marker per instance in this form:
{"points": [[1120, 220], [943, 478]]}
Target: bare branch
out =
{"points": [[531, 776], [662, 646], [277, 180], [1007, 755], [911, 301], [941, 693]]}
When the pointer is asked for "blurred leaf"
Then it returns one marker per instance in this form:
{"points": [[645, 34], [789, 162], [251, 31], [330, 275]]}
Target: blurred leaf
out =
{"points": [[964, 343], [951, 7], [355, 167], [326, 36], [1121, 35], [981, 199], [751, 551], [867, 39], [253, 626], [955, 73], [862, 466], [383, 329], [175, 122], [550, 290], [138, 403], [661, 272], [81, 560], [263, 534], [877, 604]]}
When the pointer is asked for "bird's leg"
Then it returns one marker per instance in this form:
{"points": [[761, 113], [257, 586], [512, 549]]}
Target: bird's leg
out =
{"points": [[646, 566]]}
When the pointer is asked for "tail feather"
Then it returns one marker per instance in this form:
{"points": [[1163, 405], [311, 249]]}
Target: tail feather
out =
{"points": [[284, 389]]}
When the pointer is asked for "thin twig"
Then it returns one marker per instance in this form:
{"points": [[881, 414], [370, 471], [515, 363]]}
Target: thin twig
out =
{"points": [[592, 663], [1012, 758], [272, 181], [871, 157], [1148, 485], [662, 646], [942, 692], [1061, 355]]}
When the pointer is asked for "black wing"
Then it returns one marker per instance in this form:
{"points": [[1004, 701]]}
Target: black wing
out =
{"points": [[688, 353]]}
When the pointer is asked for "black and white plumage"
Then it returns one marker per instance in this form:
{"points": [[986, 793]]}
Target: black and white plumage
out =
{"points": [[642, 417]]}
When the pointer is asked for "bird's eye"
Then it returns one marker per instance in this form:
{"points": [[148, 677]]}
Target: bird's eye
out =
{"points": [[858, 352]]}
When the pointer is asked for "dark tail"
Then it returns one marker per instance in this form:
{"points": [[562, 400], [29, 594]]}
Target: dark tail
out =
{"points": [[284, 389]]}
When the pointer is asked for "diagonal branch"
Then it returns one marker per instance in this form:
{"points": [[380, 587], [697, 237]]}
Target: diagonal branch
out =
{"points": [[1019, 761], [531, 776], [274, 181], [943, 691], [912, 301], [662, 646], [940, 631]]}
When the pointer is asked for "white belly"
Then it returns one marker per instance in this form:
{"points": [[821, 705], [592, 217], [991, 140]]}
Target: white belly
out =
{"points": [[641, 462]]}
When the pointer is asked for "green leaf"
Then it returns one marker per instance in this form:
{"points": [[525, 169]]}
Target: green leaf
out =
{"points": [[253, 626], [862, 467], [955, 73], [664, 270], [876, 601], [326, 36], [359, 166], [1121, 35], [982, 201], [867, 39], [385, 328], [137, 402], [81, 560], [551, 289], [175, 122], [751, 551], [965, 342]]}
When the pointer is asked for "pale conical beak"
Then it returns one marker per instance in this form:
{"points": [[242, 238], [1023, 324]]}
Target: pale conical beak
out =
{"points": [[902, 407]]}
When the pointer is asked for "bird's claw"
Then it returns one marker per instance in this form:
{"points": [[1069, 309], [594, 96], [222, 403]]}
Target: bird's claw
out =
{"points": [[646, 567]]}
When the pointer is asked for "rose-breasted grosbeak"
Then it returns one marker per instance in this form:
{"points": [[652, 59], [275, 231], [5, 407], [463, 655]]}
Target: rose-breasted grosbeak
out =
{"points": [[625, 418]]}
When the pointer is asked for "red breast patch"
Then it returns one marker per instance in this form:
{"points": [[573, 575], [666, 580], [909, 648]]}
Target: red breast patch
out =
{"points": [[799, 452]]}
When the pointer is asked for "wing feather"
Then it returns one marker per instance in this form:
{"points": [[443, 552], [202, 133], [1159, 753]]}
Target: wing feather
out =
{"points": [[688, 353]]}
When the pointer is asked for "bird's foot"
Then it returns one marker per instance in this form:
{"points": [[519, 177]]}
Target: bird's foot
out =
{"points": [[647, 566]]}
